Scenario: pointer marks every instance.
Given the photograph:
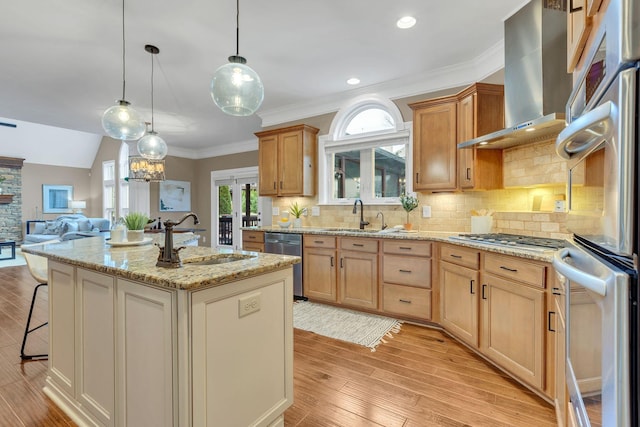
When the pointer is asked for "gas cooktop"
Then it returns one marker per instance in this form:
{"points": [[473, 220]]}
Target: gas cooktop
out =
{"points": [[537, 244]]}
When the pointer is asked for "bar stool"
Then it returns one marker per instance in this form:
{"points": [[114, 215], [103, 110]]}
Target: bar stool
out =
{"points": [[38, 269]]}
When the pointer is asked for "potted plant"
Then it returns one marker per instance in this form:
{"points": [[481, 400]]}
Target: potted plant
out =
{"points": [[297, 211], [135, 222], [409, 203], [2, 178]]}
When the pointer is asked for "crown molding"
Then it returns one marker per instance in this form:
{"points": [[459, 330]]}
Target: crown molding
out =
{"points": [[214, 151]]}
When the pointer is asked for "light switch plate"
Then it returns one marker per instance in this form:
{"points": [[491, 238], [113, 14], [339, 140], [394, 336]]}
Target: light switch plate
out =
{"points": [[315, 211], [426, 212], [275, 211]]}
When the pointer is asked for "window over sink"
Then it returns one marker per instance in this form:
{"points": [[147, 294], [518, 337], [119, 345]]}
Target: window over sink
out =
{"points": [[365, 154]]}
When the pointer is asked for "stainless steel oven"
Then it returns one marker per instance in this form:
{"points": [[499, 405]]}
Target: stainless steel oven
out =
{"points": [[601, 147]]}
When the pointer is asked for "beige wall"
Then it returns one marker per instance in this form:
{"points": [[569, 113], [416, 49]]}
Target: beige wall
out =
{"points": [[178, 169]]}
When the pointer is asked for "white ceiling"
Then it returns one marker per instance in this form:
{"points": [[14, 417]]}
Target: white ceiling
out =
{"points": [[62, 60]]}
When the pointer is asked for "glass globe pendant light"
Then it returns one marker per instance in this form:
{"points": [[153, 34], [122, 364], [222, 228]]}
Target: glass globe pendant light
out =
{"points": [[121, 121], [235, 88], [151, 146]]}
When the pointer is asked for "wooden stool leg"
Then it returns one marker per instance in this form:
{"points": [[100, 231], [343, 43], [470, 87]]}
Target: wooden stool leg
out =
{"points": [[27, 331]]}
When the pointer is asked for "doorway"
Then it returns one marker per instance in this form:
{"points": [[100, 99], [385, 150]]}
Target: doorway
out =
{"points": [[235, 204]]}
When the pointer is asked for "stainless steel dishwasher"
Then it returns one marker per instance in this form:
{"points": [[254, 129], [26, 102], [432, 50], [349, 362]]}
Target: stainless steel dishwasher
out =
{"points": [[287, 244]]}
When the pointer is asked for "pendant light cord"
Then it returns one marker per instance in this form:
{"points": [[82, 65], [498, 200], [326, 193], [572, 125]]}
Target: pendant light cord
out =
{"points": [[237, 27], [123, 54], [152, 120]]}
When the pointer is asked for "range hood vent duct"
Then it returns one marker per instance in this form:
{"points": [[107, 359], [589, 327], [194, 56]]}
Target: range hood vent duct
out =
{"points": [[536, 82]]}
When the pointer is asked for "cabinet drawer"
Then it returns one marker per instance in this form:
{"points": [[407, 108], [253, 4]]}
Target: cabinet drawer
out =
{"points": [[360, 245], [314, 241], [406, 247], [253, 247], [460, 255], [412, 271], [253, 236], [515, 269], [406, 301]]}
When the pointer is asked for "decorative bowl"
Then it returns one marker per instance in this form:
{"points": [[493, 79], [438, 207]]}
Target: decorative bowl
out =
{"points": [[284, 224]]}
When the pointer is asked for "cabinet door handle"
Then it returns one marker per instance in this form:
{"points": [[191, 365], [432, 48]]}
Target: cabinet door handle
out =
{"points": [[405, 248], [513, 270], [331, 261], [573, 9], [274, 185], [281, 185], [252, 237], [341, 264], [468, 176], [456, 256], [556, 291], [549, 321], [359, 245], [404, 271], [417, 176], [483, 288], [318, 241], [406, 301], [471, 287]]}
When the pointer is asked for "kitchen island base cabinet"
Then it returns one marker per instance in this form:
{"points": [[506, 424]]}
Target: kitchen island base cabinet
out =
{"points": [[123, 353]]}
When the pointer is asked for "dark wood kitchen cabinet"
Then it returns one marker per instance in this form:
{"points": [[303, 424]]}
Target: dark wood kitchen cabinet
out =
{"points": [[579, 24], [287, 161], [440, 124]]}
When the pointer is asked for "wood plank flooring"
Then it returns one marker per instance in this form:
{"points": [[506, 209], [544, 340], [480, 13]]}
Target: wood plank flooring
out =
{"points": [[419, 378]]}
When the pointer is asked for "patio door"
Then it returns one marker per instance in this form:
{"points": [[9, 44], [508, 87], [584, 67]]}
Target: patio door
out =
{"points": [[235, 204]]}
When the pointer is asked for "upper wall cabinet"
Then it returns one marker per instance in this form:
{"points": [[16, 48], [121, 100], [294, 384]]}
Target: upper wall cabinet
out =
{"points": [[440, 124], [287, 161], [578, 27]]}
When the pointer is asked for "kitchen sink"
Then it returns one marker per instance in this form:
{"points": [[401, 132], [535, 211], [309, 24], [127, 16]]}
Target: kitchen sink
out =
{"points": [[219, 259]]}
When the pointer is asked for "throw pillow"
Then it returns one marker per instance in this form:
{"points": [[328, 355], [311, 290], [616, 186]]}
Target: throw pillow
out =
{"points": [[84, 225], [52, 227], [69, 226], [38, 228]]}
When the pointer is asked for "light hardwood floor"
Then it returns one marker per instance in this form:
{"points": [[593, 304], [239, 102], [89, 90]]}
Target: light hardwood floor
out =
{"points": [[419, 378]]}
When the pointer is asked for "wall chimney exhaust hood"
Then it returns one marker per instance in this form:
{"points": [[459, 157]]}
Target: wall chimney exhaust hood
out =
{"points": [[536, 82]]}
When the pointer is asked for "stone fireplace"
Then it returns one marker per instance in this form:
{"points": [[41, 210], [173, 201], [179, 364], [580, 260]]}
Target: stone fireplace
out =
{"points": [[11, 198]]}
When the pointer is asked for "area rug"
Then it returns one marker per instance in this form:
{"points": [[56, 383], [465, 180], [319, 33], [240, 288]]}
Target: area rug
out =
{"points": [[365, 329], [12, 262]]}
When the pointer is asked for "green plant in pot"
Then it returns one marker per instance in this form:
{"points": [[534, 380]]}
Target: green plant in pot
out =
{"points": [[409, 203], [296, 210], [2, 178], [135, 222]]}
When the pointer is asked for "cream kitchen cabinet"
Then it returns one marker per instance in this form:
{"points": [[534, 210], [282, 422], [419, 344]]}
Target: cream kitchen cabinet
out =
{"points": [[358, 276], [440, 124], [459, 287], [319, 268], [406, 278], [287, 161]]}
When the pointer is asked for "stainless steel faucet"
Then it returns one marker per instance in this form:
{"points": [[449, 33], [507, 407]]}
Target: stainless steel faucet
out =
{"points": [[355, 210], [168, 256], [383, 225]]}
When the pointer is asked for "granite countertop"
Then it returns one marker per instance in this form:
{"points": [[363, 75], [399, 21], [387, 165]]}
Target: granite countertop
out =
{"points": [[139, 262], [435, 236]]}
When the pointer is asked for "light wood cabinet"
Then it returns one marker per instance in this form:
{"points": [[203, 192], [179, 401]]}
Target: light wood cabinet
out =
{"points": [[513, 327], [319, 268], [459, 288], [253, 240], [480, 111], [440, 124], [579, 24], [287, 161], [434, 147], [406, 278], [358, 277]]}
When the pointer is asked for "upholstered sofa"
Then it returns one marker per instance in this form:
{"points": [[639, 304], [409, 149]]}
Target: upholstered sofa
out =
{"points": [[66, 227]]}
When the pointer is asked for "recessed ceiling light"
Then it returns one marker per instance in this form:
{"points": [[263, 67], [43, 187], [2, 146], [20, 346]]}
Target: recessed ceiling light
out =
{"points": [[353, 81], [484, 143], [406, 22], [530, 129]]}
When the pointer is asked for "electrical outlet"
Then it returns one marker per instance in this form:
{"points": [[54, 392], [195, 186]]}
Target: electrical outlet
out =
{"points": [[204, 239], [249, 304], [426, 212], [275, 211], [315, 211]]}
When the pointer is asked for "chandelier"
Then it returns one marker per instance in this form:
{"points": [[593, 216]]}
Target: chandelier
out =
{"points": [[148, 170]]}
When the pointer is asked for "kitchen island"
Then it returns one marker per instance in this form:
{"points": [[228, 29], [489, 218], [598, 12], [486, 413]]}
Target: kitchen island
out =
{"points": [[209, 343]]}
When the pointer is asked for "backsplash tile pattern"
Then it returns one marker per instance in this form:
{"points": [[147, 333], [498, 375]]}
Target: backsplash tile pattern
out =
{"points": [[533, 164]]}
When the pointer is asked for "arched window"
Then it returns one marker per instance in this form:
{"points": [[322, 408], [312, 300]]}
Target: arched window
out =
{"points": [[365, 154]]}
